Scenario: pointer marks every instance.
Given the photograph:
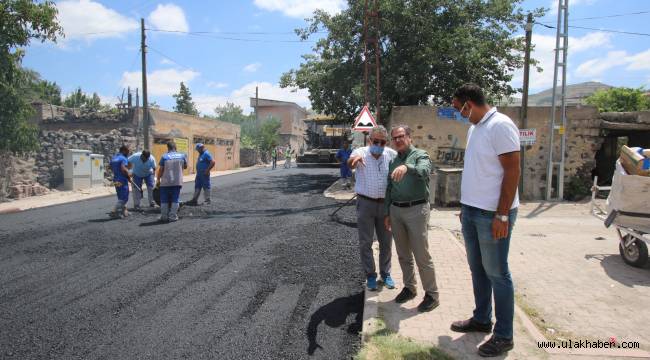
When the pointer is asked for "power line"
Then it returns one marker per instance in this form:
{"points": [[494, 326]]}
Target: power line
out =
{"points": [[209, 35], [168, 58], [595, 29], [606, 16]]}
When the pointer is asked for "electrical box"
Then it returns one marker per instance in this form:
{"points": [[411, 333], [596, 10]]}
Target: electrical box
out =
{"points": [[96, 170], [76, 169]]}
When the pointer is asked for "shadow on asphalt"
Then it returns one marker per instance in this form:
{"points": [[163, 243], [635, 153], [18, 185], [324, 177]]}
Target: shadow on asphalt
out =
{"points": [[335, 314], [619, 271], [154, 223], [102, 220]]}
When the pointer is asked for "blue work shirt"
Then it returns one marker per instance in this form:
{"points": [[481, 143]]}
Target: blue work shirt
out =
{"points": [[140, 168], [116, 165], [203, 163], [343, 156]]}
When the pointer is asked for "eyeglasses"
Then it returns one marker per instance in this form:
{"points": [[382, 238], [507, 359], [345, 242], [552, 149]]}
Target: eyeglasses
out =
{"points": [[379, 142], [398, 137]]}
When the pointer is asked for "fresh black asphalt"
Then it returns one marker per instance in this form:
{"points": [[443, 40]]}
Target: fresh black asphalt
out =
{"points": [[262, 273]]}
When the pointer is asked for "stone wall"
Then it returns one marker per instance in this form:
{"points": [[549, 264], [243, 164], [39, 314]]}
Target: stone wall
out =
{"points": [[49, 160], [444, 137]]}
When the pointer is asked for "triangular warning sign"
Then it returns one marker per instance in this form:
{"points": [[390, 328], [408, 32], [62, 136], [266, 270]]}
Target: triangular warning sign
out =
{"points": [[364, 121]]}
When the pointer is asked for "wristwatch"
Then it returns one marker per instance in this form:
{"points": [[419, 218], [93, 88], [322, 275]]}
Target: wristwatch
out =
{"points": [[502, 218]]}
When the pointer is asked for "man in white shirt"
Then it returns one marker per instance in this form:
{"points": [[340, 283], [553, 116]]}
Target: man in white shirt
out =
{"points": [[371, 164], [489, 202]]}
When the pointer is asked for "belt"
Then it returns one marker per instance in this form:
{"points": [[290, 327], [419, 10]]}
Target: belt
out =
{"points": [[409, 203], [380, 200]]}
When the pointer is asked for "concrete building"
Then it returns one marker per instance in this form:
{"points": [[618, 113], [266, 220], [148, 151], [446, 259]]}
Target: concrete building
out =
{"points": [[291, 115]]}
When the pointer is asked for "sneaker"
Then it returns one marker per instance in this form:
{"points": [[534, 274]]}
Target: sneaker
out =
{"points": [[113, 215], [371, 283], [495, 346], [152, 205], [470, 325], [207, 202], [137, 208], [388, 281], [428, 303], [405, 295]]}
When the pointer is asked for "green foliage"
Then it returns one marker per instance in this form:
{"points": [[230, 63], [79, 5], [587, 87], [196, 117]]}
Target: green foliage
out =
{"points": [[620, 99], [577, 188], [231, 113], [21, 21], [254, 135], [37, 89], [184, 103], [90, 103], [427, 49]]}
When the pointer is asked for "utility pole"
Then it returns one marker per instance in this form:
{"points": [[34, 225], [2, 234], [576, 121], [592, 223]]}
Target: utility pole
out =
{"points": [[561, 45], [373, 40], [145, 103], [257, 104], [524, 99]]}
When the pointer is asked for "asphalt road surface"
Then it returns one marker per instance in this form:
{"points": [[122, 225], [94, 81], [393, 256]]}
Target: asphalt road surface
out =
{"points": [[262, 273]]}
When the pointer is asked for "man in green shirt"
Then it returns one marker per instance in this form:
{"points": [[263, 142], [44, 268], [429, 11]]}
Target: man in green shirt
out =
{"points": [[407, 216]]}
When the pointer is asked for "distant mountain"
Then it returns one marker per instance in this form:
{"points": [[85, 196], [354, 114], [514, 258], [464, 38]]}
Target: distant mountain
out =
{"points": [[575, 94]]}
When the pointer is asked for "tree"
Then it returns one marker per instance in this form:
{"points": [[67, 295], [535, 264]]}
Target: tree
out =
{"points": [[620, 99], [427, 48], [184, 103], [231, 113], [76, 99], [37, 89], [21, 21], [268, 135]]}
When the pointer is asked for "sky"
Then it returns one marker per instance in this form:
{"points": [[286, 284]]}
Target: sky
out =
{"points": [[238, 45]]}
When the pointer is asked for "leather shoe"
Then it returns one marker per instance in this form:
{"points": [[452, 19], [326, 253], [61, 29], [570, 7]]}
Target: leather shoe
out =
{"points": [[470, 325], [405, 295], [428, 303]]}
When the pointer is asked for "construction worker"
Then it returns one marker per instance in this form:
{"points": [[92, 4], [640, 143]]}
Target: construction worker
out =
{"points": [[143, 168], [204, 164], [121, 178], [170, 181], [342, 156], [274, 156], [288, 152]]}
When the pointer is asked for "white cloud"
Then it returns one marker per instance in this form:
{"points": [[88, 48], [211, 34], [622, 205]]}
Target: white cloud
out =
{"points": [[301, 8], [216, 85], [86, 19], [206, 103], [160, 82], [166, 61], [640, 61], [252, 67], [168, 17], [595, 67], [598, 66], [544, 53]]}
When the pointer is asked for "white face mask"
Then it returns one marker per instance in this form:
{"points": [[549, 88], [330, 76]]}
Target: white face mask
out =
{"points": [[461, 112]]}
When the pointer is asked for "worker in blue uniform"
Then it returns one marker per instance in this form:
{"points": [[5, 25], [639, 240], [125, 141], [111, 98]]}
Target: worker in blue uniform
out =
{"points": [[204, 165], [121, 178]]}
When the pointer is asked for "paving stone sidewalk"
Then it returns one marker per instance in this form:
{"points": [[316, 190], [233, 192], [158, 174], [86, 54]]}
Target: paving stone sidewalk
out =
{"points": [[456, 303], [564, 264]]}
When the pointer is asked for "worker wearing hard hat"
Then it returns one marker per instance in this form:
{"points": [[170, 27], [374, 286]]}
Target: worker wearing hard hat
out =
{"points": [[204, 164]]}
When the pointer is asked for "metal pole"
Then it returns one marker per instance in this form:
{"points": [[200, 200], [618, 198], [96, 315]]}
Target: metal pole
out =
{"points": [[145, 103], [257, 104], [560, 177], [377, 65], [524, 99], [549, 169], [365, 53]]}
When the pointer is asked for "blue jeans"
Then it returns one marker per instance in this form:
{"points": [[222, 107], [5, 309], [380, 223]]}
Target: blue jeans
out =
{"points": [[488, 262], [169, 194], [147, 180], [202, 181]]}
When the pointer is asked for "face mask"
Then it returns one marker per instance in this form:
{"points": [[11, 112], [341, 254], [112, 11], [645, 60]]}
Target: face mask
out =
{"points": [[461, 117], [376, 149]]}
